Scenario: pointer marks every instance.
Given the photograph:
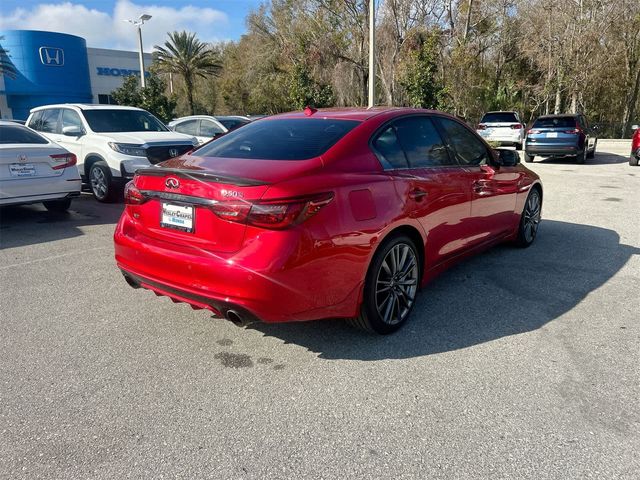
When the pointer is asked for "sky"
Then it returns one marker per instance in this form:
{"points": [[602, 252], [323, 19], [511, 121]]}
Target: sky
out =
{"points": [[102, 22]]}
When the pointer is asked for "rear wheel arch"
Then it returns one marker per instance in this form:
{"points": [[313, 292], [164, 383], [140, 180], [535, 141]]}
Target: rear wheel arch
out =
{"points": [[89, 161], [414, 234]]}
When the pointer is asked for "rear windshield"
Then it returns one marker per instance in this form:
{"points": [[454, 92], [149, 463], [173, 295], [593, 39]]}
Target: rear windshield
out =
{"points": [[499, 117], [123, 121], [18, 134], [286, 139], [555, 122]]}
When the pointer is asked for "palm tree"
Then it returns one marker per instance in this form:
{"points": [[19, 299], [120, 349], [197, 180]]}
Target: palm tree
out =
{"points": [[185, 55]]}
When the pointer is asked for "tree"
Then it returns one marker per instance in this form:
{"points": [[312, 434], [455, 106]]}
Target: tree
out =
{"points": [[183, 54], [419, 73], [150, 98]]}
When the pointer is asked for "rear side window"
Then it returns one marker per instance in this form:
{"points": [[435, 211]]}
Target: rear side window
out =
{"points": [[209, 129], [468, 148], [555, 122], [18, 134], [280, 139], [500, 117], [422, 143], [189, 127], [46, 121], [389, 151]]}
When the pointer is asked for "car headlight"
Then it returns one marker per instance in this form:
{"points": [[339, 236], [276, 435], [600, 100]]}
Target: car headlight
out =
{"points": [[129, 149]]}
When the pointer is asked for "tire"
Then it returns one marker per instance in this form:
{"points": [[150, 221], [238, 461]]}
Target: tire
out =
{"points": [[582, 157], [633, 160], [529, 158], [396, 269], [592, 153], [59, 206], [101, 182], [518, 146], [530, 219]]}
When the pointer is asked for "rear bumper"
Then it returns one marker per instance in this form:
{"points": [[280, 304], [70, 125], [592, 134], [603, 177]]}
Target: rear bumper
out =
{"points": [[551, 150], [272, 283], [516, 138]]}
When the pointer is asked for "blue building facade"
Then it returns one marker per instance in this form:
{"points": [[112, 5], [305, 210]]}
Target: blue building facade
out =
{"points": [[45, 68]]}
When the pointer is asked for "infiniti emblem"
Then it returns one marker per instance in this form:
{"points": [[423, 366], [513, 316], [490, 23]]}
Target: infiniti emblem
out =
{"points": [[173, 152], [172, 182]]}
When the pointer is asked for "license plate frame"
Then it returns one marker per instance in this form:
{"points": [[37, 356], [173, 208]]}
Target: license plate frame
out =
{"points": [[178, 217], [22, 170]]}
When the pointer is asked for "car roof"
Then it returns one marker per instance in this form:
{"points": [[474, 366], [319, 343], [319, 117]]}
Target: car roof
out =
{"points": [[12, 123], [193, 117], [501, 111], [561, 115], [349, 113], [86, 106]]}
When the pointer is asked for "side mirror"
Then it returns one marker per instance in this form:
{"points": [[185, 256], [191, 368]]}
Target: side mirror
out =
{"points": [[508, 158], [72, 131]]}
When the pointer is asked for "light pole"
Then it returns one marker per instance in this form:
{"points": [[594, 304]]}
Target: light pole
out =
{"points": [[138, 23], [372, 53]]}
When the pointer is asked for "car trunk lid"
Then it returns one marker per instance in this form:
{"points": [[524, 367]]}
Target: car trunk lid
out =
{"points": [[24, 161]]}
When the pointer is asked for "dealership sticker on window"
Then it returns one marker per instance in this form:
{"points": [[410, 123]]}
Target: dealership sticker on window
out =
{"points": [[177, 217], [22, 170]]}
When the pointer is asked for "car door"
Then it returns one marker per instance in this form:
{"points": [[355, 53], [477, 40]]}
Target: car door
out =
{"points": [[494, 189], [428, 180], [73, 143]]}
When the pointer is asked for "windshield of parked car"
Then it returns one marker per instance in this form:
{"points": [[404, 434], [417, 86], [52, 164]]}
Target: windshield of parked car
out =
{"points": [[103, 120], [280, 139], [499, 117], [17, 134], [555, 122]]}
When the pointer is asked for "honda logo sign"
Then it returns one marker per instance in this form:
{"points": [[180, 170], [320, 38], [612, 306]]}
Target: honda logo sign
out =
{"points": [[52, 56]]}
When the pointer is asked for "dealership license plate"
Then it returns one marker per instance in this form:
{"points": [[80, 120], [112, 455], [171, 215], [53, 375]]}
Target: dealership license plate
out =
{"points": [[22, 170], [177, 217], [552, 135]]}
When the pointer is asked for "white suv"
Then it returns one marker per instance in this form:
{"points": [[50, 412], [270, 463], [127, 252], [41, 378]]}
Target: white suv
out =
{"points": [[110, 142], [502, 128]]}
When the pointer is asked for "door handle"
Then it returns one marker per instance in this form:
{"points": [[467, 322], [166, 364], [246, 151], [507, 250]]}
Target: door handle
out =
{"points": [[417, 194]]}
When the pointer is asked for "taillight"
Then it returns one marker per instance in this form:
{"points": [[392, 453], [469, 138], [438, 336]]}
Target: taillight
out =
{"points": [[533, 132], [133, 196], [574, 131], [516, 126], [67, 159], [273, 214], [482, 127]]}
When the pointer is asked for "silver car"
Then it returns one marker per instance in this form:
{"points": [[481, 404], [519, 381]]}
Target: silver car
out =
{"points": [[502, 128], [33, 169]]}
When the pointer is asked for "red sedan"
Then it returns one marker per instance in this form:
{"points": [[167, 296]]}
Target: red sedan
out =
{"points": [[340, 213]]}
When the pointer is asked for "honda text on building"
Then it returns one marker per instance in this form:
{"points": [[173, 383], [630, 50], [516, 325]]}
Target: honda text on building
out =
{"points": [[110, 142]]}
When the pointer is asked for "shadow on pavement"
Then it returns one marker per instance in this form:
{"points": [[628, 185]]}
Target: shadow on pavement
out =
{"points": [[31, 224], [601, 158], [503, 292]]}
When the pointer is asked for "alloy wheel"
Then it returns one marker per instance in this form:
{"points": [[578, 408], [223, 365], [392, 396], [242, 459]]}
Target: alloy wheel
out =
{"points": [[531, 217], [98, 182], [397, 284]]}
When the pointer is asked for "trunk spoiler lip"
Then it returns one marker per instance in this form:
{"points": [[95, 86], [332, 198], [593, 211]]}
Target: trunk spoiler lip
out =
{"points": [[201, 175]]}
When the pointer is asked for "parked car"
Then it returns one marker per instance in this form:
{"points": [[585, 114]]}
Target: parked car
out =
{"points": [[561, 136], [110, 142], [634, 158], [503, 128], [203, 127], [33, 169], [337, 213]]}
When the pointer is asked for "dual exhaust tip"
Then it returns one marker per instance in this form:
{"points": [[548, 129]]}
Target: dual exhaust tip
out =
{"points": [[235, 317]]}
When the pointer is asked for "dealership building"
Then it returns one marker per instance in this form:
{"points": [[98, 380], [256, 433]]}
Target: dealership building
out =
{"points": [[49, 67]]}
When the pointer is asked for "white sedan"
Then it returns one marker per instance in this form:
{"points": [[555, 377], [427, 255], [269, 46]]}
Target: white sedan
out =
{"points": [[35, 170]]}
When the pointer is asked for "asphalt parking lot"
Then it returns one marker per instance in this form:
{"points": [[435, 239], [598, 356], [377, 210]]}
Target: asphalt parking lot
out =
{"points": [[516, 364]]}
